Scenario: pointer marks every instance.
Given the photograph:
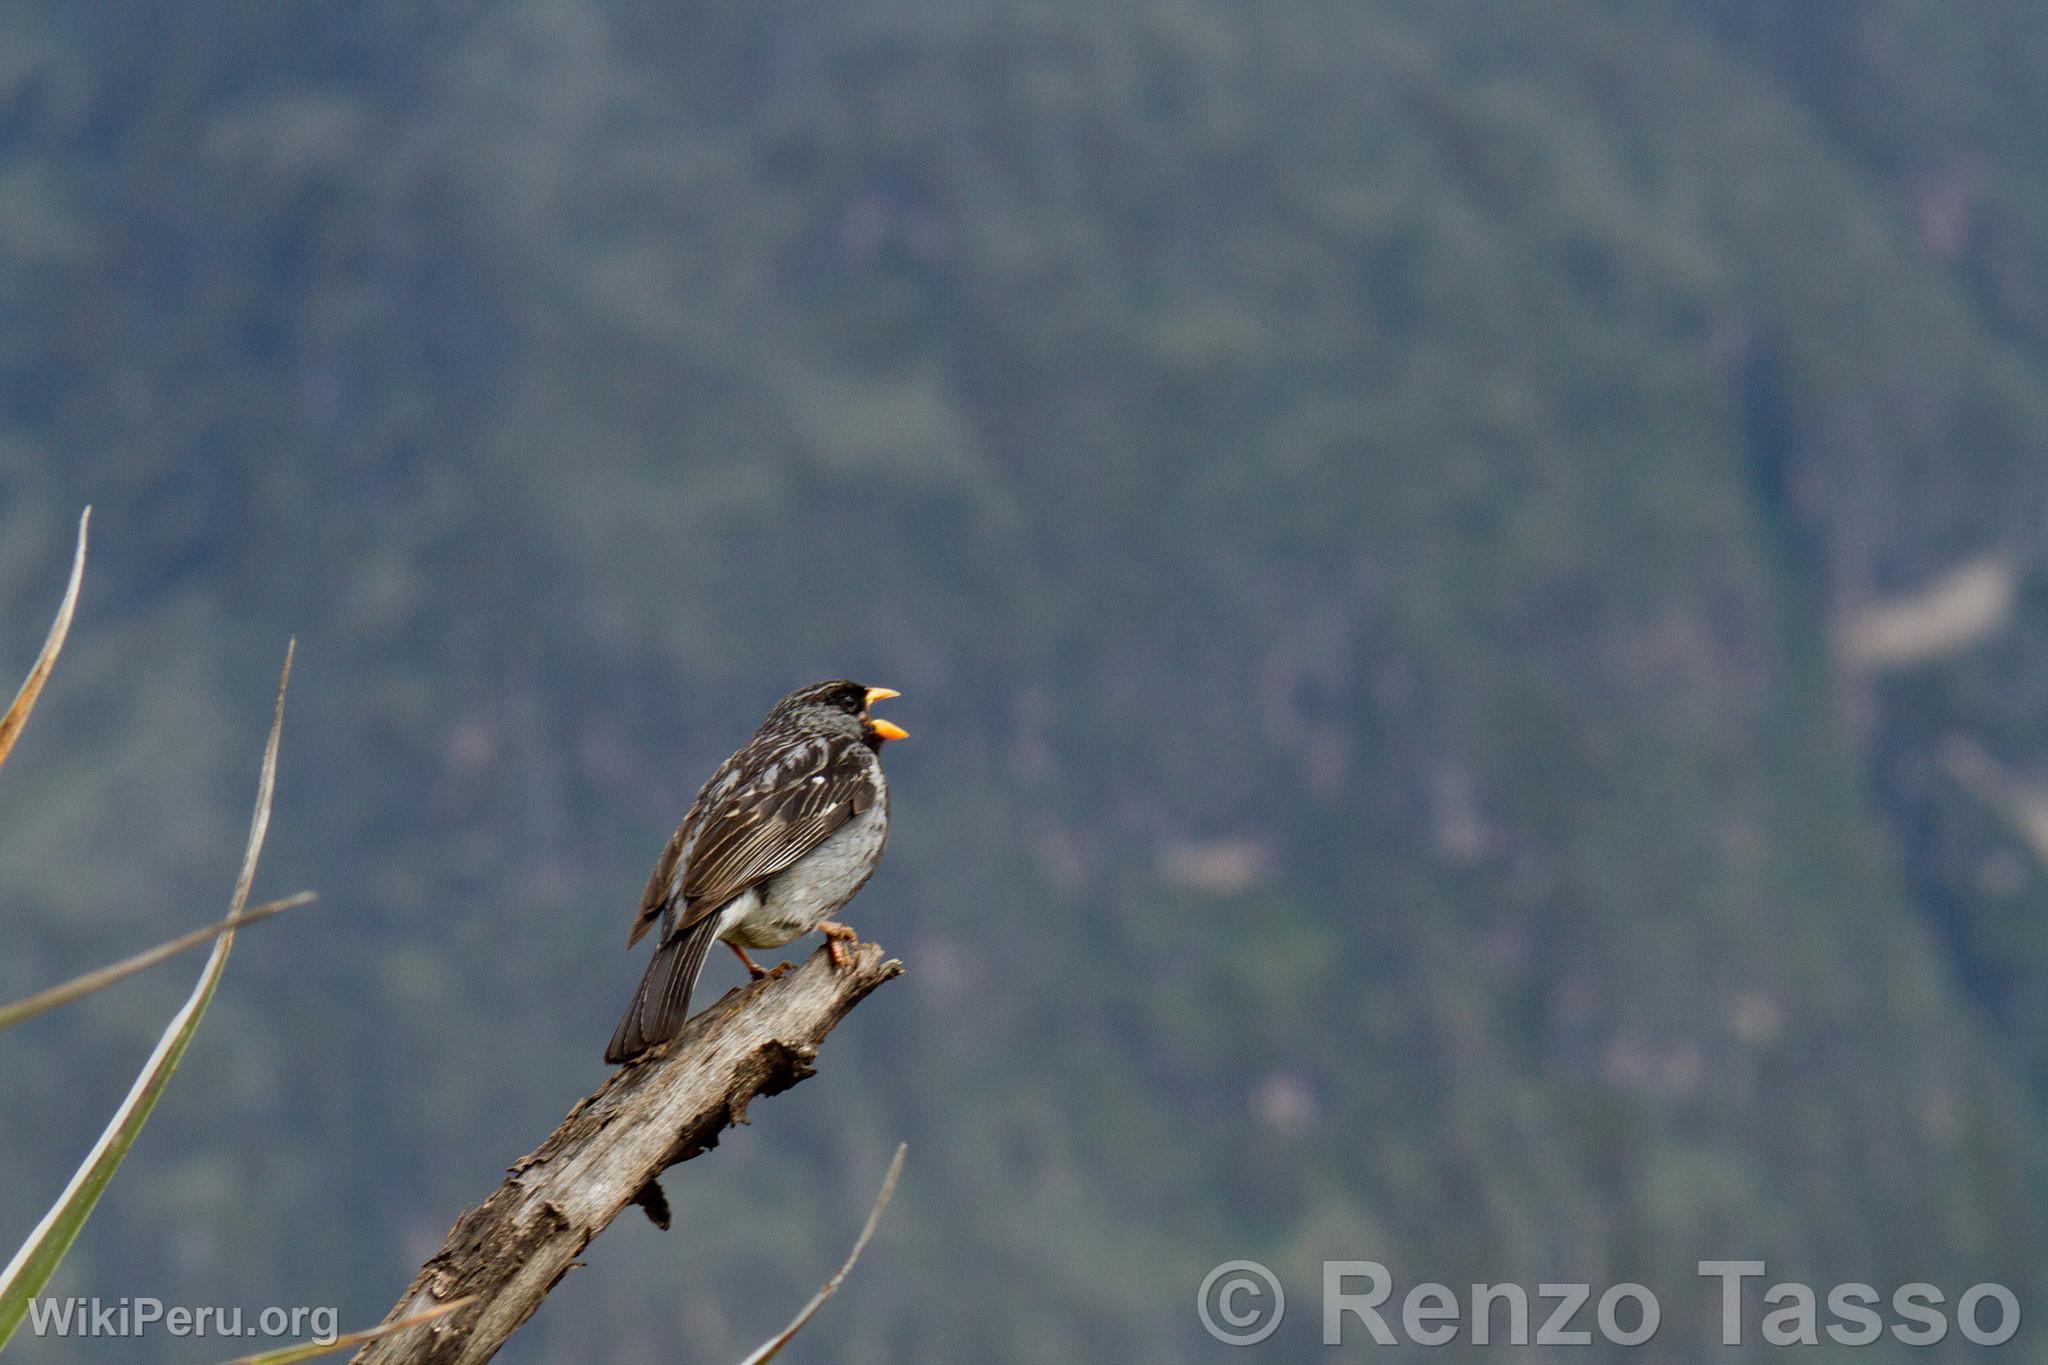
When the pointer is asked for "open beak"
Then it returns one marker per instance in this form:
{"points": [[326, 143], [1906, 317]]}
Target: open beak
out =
{"points": [[882, 729]]}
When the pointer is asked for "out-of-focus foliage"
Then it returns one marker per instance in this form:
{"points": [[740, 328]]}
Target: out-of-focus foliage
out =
{"points": [[1371, 506]]}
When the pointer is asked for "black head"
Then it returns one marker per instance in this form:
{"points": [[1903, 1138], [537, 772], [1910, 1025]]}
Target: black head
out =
{"points": [[837, 705]]}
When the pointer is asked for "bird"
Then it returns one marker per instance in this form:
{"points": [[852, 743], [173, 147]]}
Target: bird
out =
{"points": [[780, 838]]}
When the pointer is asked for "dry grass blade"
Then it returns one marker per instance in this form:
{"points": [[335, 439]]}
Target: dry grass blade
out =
{"points": [[289, 1354], [266, 785], [32, 686], [39, 1256], [773, 1346], [42, 1002]]}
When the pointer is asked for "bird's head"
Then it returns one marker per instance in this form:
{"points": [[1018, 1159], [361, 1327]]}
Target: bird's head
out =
{"points": [[840, 705]]}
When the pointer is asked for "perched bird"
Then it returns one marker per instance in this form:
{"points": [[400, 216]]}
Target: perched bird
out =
{"points": [[782, 836]]}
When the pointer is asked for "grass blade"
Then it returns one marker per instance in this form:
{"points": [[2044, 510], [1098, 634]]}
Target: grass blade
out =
{"points": [[42, 1002], [773, 1346], [40, 1255], [307, 1350], [32, 686]]}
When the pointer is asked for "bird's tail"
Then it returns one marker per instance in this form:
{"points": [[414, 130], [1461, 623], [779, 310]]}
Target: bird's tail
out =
{"points": [[663, 1001]]}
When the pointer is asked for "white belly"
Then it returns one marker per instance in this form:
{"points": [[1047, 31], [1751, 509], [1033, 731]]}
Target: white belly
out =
{"points": [[793, 903]]}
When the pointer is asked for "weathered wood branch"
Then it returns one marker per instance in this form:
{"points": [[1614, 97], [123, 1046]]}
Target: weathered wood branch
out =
{"points": [[671, 1105]]}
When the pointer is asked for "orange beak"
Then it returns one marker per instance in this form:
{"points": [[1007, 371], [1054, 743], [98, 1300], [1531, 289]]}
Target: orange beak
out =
{"points": [[882, 729]]}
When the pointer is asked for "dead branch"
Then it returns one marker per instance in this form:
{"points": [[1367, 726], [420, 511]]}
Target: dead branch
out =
{"points": [[512, 1249]]}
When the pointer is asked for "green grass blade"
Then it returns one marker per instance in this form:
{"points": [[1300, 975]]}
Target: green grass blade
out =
{"points": [[32, 687], [307, 1350], [40, 1255]]}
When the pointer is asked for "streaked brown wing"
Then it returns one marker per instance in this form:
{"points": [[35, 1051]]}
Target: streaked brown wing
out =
{"points": [[654, 899], [661, 886], [774, 817]]}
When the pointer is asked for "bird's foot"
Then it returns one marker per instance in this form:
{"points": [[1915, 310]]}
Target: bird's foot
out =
{"points": [[754, 969], [836, 934]]}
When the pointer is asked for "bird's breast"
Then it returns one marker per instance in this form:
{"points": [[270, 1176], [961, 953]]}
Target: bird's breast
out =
{"points": [[793, 902]]}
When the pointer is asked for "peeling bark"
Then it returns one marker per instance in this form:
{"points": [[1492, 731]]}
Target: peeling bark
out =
{"points": [[605, 1157]]}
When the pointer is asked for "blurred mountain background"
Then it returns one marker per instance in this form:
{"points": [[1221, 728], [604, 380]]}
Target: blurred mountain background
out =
{"points": [[1468, 580]]}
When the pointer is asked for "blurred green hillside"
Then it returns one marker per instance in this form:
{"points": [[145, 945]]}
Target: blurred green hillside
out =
{"points": [[1468, 580]]}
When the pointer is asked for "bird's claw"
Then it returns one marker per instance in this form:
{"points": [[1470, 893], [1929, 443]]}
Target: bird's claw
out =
{"points": [[836, 934]]}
